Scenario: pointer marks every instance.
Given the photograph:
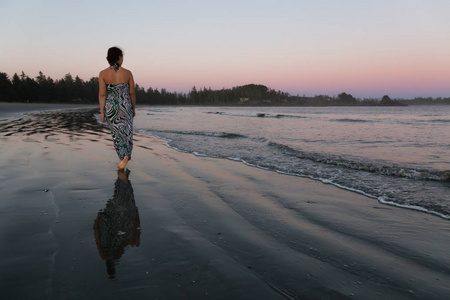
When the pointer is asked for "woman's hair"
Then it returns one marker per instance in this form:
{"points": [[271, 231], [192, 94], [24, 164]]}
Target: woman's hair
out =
{"points": [[113, 55]]}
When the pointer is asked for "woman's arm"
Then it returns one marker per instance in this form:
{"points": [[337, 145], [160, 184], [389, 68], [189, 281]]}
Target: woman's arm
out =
{"points": [[102, 96], [132, 94]]}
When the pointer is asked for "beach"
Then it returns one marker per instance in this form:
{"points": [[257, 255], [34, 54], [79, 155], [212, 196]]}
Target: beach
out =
{"points": [[179, 226]]}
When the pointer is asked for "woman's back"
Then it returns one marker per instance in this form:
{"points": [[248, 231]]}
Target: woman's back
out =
{"points": [[110, 76]]}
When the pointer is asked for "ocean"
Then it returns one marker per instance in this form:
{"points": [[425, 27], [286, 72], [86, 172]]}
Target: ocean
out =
{"points": [[396, 155]]}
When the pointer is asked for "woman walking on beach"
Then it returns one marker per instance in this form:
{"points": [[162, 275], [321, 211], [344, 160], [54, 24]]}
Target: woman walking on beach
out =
{"points": [[117, 104]]}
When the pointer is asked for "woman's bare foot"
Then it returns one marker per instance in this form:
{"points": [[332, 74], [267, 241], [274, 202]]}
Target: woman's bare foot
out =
{"points": [[123, 163]]}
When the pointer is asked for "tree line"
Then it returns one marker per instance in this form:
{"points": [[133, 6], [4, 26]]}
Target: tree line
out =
{"points": [[22, 88], [43, 89]]}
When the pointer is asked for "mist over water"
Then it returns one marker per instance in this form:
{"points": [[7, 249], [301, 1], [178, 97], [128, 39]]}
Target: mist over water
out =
{"points": [[398, 155]]}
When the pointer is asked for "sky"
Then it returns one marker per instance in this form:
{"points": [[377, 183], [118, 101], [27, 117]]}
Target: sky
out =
{"points": [[366, 48]]}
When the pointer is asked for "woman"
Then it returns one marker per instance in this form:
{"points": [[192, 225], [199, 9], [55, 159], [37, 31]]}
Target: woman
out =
{"points": [[117, 104]]}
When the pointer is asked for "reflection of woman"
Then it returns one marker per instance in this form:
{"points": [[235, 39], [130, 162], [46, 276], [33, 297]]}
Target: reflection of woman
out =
{"points": [[117, 226], [117, 101]]}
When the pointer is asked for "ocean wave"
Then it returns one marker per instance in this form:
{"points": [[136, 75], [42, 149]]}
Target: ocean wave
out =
{"points": [[430, 121], [379, 167], [351, 120], [440, 121], [257, 115], [159, 109], [226, 135], [356, 182], [290, 116], [390, 184]]}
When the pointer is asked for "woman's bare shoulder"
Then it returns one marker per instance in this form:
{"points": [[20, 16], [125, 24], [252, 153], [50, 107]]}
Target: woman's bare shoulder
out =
{"points": [[128, 75], [126, 71], [103, 72]]}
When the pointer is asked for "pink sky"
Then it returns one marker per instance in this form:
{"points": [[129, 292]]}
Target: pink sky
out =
{"points": [[365, 48]]}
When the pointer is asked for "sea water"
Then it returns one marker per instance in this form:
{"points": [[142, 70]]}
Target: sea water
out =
{"points": [[398, 155]]}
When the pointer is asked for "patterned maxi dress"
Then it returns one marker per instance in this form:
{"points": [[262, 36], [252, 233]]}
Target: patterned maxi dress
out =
{"points": [[119, 116]]}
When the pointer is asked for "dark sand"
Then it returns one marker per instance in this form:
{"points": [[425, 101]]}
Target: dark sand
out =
{"points": [[186, 227], [15, 110]]}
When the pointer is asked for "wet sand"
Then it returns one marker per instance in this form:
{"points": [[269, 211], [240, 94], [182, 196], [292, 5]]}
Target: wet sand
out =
{"points": [[15, 110], [177, 226]]}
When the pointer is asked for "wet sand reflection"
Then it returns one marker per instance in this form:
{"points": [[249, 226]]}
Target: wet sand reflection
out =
{"points": [[78, 123], [117, 226]]}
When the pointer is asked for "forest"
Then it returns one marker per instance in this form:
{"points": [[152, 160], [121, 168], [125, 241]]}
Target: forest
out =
{"points": [[43, 89]]}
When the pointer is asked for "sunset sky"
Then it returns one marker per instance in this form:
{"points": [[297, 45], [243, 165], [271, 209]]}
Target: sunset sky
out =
{"points": [[366, 48]]}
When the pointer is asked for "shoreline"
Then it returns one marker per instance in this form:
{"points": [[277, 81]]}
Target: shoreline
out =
{"points": [[208, 228], [380, 200], [16, 110]]}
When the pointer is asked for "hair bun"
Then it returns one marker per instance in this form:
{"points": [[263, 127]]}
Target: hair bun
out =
{"points": [[114, 53]]}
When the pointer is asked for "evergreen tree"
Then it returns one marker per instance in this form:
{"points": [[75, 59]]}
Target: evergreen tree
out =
{"points": [[7, 92]]}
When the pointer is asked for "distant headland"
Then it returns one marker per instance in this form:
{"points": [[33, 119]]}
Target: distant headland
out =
{"points": [[43, 89]]}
